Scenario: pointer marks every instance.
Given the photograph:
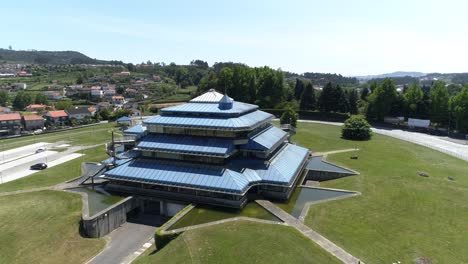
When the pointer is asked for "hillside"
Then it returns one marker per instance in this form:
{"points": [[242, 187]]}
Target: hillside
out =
{"points": [[48, 57]]}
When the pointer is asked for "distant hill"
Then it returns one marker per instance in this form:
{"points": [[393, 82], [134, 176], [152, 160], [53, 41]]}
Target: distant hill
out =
{"points": [[392, 75], [49, 57]]}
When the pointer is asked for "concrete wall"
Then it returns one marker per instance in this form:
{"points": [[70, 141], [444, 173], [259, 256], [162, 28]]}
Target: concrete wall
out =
{"points": [[106, 221], [324, 176]]}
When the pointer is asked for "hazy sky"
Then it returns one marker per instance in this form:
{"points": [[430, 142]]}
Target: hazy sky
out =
{"points": [[349, 37]]}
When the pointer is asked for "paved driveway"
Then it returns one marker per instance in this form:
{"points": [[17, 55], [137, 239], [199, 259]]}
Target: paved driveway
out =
{"points": [[127, 239]]}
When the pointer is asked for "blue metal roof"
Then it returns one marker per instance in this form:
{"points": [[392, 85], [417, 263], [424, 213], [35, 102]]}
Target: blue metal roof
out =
{"points": [[244, 122], [281, 170], [138, 129], [237, 108], [187, 144], [124, 119], [318, 164], [266, 139]]}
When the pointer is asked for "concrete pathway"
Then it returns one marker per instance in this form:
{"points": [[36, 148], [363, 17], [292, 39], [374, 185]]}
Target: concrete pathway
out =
{"points": [[323, 242], [125, 243], [333, 152]]}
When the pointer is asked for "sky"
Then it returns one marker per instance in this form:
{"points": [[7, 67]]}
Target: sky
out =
{"points": [[358, 37]]}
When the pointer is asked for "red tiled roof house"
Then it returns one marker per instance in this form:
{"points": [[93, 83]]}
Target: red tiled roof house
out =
{"points": [[32, 122], [10, 124], [57, 118]]}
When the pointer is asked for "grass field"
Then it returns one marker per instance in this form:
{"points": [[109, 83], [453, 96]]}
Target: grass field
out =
{"points": [[240, 242], [42, 227], [81, 136], [57, 174], [399, 216]]}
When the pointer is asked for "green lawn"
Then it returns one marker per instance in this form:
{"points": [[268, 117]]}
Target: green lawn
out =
{"points": [[399, 216], [42, 227], [57, 174], [80, 136], [240, 242]]}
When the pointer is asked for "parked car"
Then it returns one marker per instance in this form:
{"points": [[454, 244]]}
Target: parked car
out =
{"points": [[38, 131], [39, 166], [39, 150]]}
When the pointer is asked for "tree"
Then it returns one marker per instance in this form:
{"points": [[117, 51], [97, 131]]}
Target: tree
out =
{"points": [[22, 99], [79, 80], [308, 98], [364, 93], [289, 117], [459, 108], [439, 103], [4, 98], [382, 99], [298, 89], [120, 89], [333, 99], [104, 113], [413, 99], [353, 102], [41, 99], [64, 104], [356, 128]]}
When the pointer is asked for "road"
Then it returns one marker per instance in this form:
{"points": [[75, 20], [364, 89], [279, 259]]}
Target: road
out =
{"points": [[127, 239], [18, 161], [434, 142]]}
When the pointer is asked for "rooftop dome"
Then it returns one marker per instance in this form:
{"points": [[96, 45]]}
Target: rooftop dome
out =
{"points": [[225, 102]]}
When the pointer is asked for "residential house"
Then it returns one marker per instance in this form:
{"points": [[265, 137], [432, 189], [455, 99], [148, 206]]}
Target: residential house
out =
{"points": [[32, 122], [118, 100], [102, 105], [92, 110], [10, 124], [4, 110], [96, 91], [37, 108], [130, 92], [109, 92], [21, 86], [79, 113], [53, 95], [57, 118], [23, 74]]}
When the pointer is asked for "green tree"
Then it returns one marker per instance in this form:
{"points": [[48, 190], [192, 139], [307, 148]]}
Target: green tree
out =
{"points": [[413, 98], [289, 117], [382, 99], [308, 100], [332, 99], [364, 93], [459, 108], [41, 99], [353, 102], [104, 113], [298, 89], [79, 80], [439, 103], [64, 104], [4, 98], [356, 128], [22, 99]]}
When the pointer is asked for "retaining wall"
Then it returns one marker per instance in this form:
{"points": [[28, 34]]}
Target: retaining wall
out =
{"points": [[107, 220]]}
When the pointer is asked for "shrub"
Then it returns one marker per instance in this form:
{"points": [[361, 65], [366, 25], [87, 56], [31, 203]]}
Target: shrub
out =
{"points": [[289, 117], [356, 128]]}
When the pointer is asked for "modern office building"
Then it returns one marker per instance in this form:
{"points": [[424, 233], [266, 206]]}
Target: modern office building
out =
{"points": [[211, 150]]}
